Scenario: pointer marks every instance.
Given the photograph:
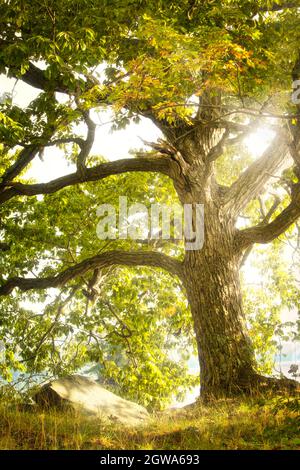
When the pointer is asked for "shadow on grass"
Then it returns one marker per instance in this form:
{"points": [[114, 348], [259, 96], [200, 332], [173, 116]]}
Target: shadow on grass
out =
{"points": [[231, 425]]}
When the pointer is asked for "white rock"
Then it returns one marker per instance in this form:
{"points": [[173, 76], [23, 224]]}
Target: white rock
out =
{"points": [[87, 396]]}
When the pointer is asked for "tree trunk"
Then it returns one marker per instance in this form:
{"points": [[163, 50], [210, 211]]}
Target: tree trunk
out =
{"points": [[211, 279], [225, 353]]}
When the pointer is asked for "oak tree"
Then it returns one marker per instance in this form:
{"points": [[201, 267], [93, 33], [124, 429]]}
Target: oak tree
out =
{"points": [[207, 74]]}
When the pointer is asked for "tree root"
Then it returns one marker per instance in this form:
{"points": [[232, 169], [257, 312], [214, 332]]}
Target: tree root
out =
{"points": [[260, 384], [252, 385]]}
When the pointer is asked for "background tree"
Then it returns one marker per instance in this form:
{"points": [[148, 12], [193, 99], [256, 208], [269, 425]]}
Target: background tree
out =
{"points": [[207, 74]]}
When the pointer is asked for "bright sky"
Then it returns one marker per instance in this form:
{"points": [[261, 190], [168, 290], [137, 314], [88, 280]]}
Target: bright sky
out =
{"points": [[113, 146]]}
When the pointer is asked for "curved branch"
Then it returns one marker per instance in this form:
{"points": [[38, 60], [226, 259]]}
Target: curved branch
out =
{"points": [[103, 260], [37, 78], [87, 144], [161, 164], [267, 233], [25, 157]]}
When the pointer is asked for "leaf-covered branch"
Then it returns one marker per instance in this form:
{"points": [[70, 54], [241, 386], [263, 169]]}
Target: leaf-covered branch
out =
{"points": [[110, 258], [156, 164], [37, 78], [26, 155]]}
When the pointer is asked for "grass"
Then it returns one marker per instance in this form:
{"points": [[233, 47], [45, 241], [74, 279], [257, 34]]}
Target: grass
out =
{"points": [[231, 424]]}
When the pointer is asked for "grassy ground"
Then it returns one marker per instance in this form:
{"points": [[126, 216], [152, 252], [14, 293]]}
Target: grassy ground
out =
{"points": [[251, 424]]}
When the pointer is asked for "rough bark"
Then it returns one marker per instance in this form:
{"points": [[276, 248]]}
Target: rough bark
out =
{"points": [[211, 279], [225, 353]]}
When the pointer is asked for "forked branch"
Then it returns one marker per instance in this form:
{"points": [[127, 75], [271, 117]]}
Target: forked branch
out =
{"points": [[268, 232]]}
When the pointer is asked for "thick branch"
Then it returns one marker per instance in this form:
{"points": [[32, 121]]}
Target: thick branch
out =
{"points": [[25, 157], [267, 233], [37, 79], [156, 164], [253, 180], [110, 258]]}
